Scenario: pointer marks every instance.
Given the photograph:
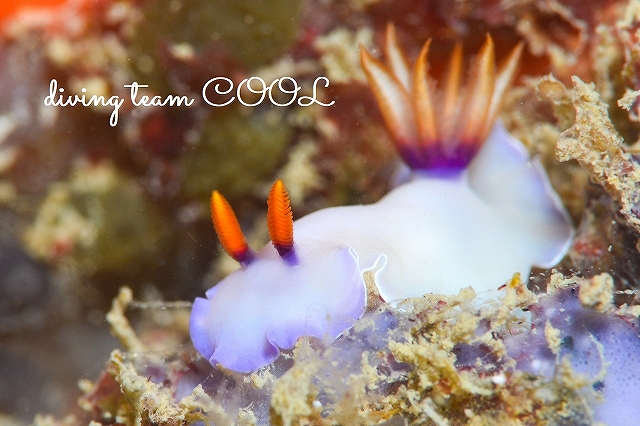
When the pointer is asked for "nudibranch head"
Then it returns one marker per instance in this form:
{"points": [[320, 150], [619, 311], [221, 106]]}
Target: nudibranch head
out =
{"points": [[283, 292], [438, 128]]}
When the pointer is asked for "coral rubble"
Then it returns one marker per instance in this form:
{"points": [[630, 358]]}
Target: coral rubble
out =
{"points": [[86, 208], [435, 360]]}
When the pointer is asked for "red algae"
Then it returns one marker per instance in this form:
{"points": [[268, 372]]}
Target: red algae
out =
{"points": [[7, 9]]}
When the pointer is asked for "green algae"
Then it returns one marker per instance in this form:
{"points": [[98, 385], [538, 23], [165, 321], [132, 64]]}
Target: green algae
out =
{"points": [[99, 219], [254, 31], [235, 152]]}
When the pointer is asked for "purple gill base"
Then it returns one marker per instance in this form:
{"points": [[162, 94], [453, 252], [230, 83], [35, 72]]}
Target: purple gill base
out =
{"points": [[433, 158]]}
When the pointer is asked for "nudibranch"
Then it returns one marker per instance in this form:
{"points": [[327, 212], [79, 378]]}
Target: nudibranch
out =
{"points": [[475, 210]]}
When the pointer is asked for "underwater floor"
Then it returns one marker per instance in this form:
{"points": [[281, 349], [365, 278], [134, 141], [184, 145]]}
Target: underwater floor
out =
{"points": [[118, 118]]}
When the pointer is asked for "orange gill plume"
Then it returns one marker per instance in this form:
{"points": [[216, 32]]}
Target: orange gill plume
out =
{"points": [[228, 229], [438, 127], [280, 218]]}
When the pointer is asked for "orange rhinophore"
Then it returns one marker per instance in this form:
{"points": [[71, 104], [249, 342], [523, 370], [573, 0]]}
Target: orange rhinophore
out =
{"points": [[228, 229], [280, 218]]}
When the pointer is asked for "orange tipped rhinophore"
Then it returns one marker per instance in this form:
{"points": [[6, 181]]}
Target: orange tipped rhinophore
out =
{"points": [[280, 218], [438, 127], [228, 229]]}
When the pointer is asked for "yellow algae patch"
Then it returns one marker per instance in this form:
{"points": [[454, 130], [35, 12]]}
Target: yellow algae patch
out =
{"points": [[554, 340], [597, 293], [599, 149], [120, 326], [418, 377], [294, 395], [148, 402]]}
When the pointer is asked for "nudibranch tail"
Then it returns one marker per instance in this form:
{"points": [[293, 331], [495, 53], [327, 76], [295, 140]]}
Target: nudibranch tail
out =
{"points": [[228, 229], [280, 218], [438, 127]]}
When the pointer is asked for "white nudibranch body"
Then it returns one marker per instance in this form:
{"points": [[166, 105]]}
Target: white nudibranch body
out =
{"points": [[473, 217], [439, 235]]}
